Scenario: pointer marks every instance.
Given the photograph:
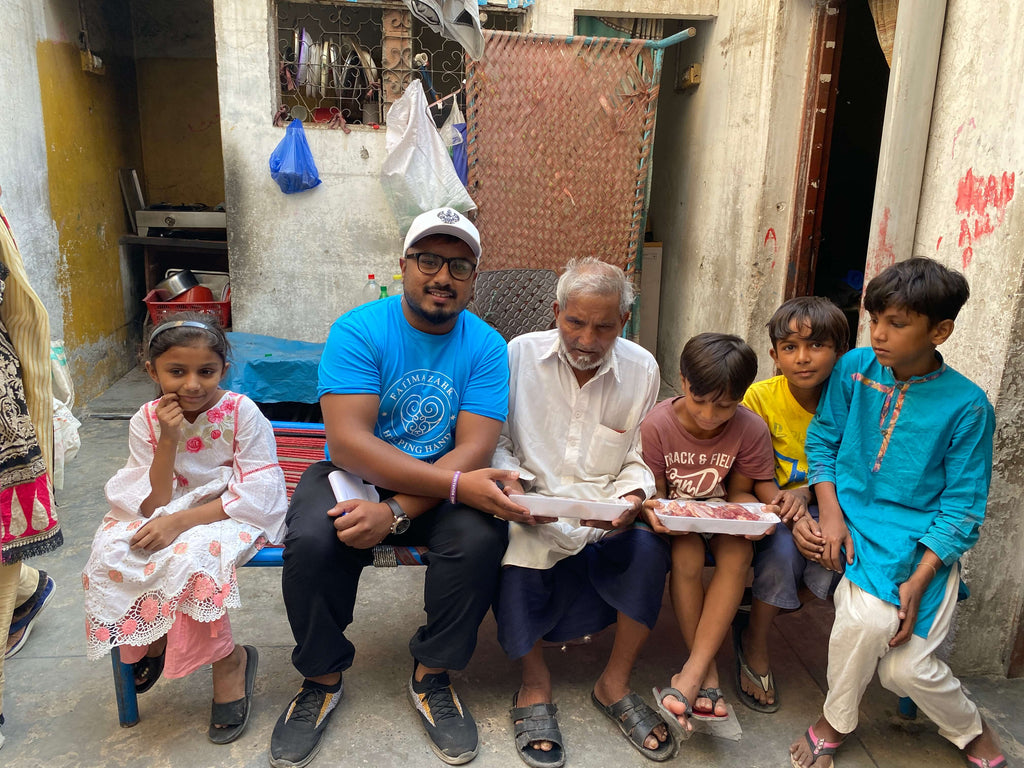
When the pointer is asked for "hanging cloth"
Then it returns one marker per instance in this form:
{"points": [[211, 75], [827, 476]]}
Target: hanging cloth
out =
{"points": [[457, 20]]}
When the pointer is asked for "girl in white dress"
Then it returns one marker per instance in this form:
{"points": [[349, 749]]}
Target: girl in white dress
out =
{"points": [[202, 492]]}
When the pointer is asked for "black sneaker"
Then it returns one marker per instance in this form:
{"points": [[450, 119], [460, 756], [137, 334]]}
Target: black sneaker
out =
{"points": [[449, 725], [300, 728]]}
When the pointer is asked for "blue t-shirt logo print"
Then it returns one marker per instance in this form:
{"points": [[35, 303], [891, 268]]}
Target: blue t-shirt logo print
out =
{"points": [[419, 413]]}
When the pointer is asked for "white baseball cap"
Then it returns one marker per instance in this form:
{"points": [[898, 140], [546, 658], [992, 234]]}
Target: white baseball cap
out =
{"points": [[444, 221]]}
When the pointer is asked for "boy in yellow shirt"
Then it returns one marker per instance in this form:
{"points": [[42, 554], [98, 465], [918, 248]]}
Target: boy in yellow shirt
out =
{"points": [[808, 335]]}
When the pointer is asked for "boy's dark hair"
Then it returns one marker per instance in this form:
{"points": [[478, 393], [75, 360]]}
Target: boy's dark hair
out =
{"points": [[826, 320], [718, 364], [918, 285], [209, 334]]}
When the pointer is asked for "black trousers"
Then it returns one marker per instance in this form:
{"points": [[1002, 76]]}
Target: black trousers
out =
{"points": [[321, 576]]}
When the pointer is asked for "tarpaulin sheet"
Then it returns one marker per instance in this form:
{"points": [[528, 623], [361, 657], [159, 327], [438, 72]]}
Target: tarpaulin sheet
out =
{"points": [[272, 370]]}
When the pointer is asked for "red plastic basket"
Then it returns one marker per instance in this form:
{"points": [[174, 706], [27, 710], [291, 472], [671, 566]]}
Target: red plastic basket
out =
{"points": [[158, 310]]}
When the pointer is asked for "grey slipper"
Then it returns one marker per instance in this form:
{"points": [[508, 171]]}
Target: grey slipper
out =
{"points": [[671, 719], [766, 682]]}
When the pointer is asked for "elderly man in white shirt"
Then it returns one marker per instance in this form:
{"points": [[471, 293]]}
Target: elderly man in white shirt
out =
{"points": [[577, 395]]}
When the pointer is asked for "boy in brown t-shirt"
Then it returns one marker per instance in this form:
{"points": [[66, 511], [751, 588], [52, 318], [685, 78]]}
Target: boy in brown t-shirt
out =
{"points": [[705, 445]]}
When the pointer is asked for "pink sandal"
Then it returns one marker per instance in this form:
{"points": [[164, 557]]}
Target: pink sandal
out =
{"points": [[818, 747], [981, 762]]}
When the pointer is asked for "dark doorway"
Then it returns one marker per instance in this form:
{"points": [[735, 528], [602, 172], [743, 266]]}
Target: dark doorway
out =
{"points": [[853, 162], [847, 80]]}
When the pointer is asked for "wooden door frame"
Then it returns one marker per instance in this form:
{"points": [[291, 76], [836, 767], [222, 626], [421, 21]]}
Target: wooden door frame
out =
{"points": [[815, 142]]}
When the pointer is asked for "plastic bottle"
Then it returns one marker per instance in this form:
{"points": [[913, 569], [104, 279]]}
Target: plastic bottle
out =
{"points": [[383, 292], [396, 284], [371, 291]]}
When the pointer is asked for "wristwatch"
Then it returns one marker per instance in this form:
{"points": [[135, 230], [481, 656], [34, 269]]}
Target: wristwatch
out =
{"points": [[402, 521]]}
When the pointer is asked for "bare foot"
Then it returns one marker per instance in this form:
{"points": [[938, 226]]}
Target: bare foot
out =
{"points": [[825, 736], [756, 657], [984, 749], [527, 697], [608, 695]]}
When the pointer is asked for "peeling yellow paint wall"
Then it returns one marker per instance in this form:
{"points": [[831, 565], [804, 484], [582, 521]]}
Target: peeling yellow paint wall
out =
{"points": [[92, 129], [180, 125]]}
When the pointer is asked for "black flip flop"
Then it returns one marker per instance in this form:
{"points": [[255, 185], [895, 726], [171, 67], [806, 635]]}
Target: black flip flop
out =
{"points": [[148, 669], [235, 714], [715, 695]]}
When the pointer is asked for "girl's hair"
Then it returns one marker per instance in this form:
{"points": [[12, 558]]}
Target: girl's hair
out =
{"points": [[188, 329], [718, 364], [827, 322], [590, 276]]}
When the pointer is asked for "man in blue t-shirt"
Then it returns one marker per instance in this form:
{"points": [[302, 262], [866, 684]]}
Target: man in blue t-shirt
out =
{"points": [[414, 392]]}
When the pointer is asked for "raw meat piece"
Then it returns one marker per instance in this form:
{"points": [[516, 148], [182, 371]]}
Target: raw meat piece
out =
{"points": [[709, 509]]}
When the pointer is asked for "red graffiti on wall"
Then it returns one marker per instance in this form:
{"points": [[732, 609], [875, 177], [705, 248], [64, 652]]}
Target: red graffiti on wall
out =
{"points": [[770, 235], [952, 152], [884, 255], [981, 201]]}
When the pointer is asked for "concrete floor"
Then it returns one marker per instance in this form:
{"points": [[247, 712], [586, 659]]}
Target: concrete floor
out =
{"points": [[60, 708]]}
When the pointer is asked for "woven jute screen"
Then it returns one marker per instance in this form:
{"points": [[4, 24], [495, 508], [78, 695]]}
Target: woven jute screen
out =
{"points": [[560, 134]]}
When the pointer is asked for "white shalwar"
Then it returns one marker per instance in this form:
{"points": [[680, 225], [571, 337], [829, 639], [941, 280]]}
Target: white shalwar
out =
{"points": [[132, 596], [859, 645]]}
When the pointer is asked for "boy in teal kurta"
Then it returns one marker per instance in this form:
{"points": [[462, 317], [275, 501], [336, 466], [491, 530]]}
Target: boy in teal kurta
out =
{"points": [[900, 456]]}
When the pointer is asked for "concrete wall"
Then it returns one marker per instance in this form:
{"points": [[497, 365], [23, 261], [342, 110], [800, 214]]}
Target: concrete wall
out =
{"points": [[971, 218], [557, 16], [724, 174], [23, 167], [65, 132], [91, 129], [297, 261]]}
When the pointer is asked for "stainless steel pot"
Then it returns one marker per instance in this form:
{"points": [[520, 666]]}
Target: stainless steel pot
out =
{"points": [[178, 283]]}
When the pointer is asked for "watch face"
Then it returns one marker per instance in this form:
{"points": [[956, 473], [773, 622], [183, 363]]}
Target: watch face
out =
{"points": [[401, 524]]}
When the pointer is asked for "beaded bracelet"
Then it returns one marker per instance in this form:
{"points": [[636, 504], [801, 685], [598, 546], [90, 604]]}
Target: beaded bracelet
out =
{"points": [[454, 487]]}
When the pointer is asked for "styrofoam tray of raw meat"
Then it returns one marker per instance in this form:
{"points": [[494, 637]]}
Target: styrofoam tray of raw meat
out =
{"points": [[714, 517]]}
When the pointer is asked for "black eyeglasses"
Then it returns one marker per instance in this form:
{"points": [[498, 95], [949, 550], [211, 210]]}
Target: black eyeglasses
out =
{"points": [[431, 263]]}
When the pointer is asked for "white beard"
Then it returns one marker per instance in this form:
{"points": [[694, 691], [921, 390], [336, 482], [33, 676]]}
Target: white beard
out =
{"points": [[587, 363]]}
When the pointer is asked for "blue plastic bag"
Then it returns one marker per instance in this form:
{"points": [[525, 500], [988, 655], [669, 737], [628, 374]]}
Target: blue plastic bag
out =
{"points": [[291, 162]]}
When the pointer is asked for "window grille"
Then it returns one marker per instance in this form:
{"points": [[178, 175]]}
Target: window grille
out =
{"points": [[349, 61]]}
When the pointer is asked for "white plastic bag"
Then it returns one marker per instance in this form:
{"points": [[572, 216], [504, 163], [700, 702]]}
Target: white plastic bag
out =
{"points": [[66, 440], [449, 133], [63, 386], [418, 175]]}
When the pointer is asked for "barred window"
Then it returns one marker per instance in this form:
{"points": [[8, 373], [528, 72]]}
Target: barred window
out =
{"points": [[349, 61]]}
